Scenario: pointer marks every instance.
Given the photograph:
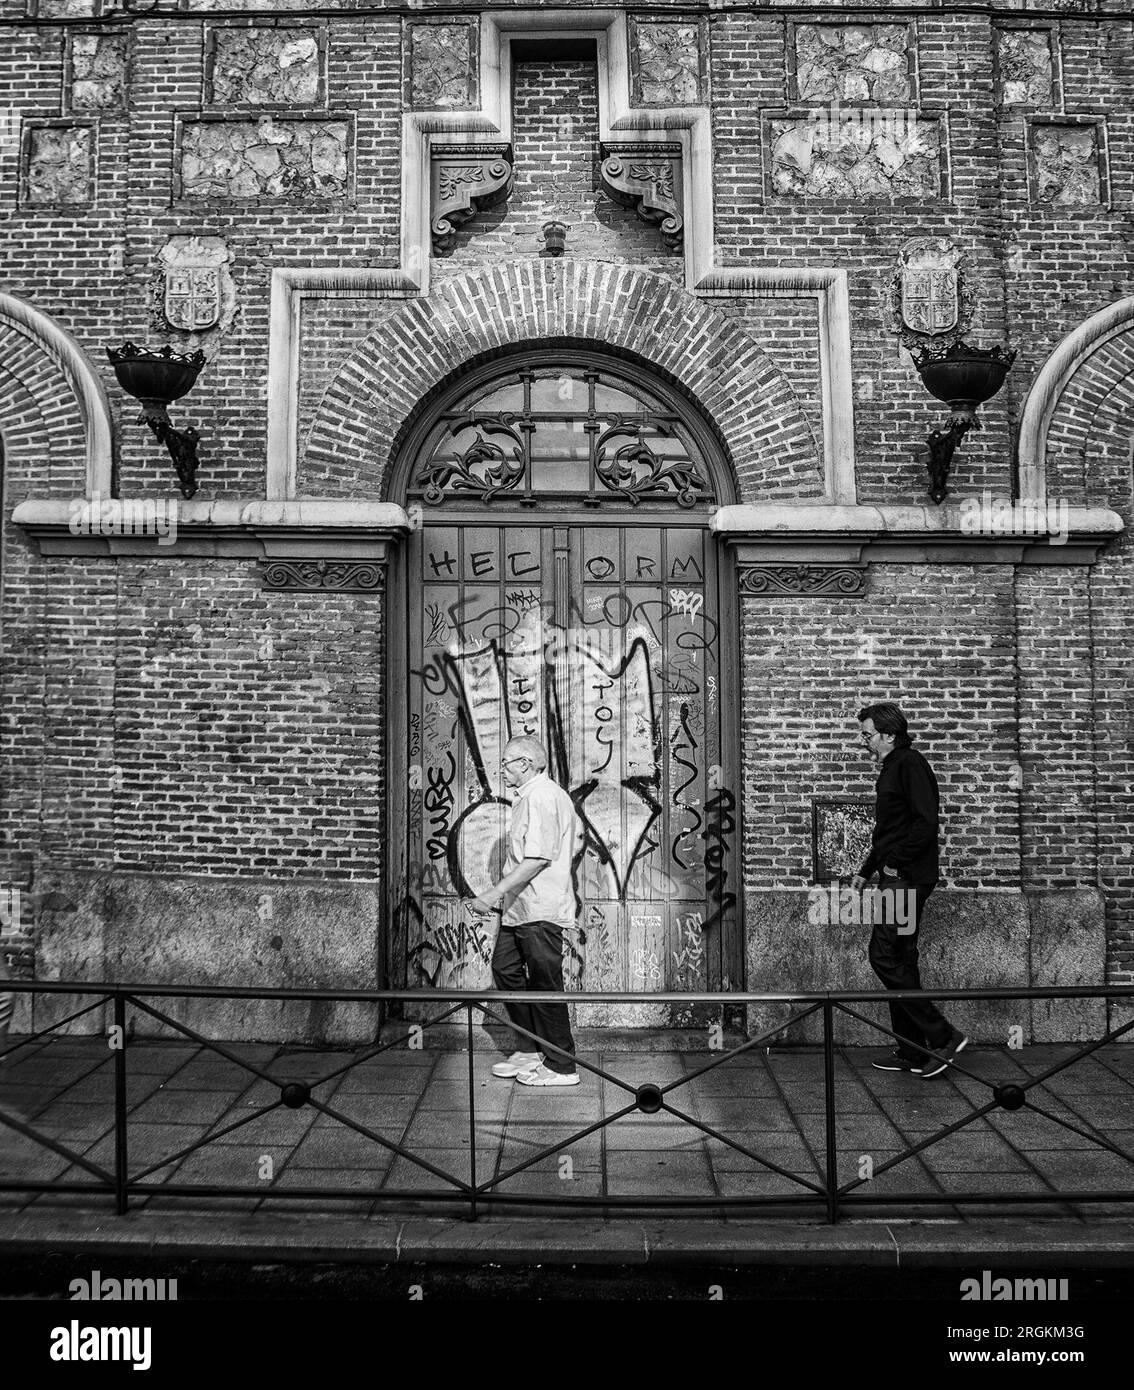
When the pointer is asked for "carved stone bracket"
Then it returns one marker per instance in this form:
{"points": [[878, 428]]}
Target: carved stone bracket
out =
{"points": [[803, 580], [647, 178], [463, 180], [307, 576]]}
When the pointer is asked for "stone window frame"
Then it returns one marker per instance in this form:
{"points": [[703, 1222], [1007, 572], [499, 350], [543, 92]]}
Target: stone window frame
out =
{"points": [[69, 73], [472, 23], [60, 123], [1055, 48], [293, 114], [704, 74], [818, 21], [209, 105], [938, 116], [1102, 149]]}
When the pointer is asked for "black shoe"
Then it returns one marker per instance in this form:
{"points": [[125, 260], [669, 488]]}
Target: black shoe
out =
{"points": [[896, 1062], [956, 1044]]}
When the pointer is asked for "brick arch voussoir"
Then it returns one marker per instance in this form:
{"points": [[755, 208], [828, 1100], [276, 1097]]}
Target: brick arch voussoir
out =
{"points": [[1091, 418], [755, 409], [41, 430]]}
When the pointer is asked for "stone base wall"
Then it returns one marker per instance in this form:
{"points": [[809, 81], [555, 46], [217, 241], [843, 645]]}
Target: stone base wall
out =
{"points": [[968, 940]]}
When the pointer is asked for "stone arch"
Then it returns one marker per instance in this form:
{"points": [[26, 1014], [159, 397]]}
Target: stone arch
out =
{"points": [[753, 407], [53, 409], [1074, 391]]}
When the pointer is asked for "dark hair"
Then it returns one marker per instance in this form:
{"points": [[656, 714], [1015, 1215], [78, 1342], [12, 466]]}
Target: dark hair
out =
{"points": [[888, 719]]}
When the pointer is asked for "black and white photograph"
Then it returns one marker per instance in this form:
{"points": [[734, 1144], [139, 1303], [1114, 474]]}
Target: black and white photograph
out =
{"points": [[567, 687]]}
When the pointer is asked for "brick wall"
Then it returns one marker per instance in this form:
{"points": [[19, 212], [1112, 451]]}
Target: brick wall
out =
{"points": [[151, 733]]}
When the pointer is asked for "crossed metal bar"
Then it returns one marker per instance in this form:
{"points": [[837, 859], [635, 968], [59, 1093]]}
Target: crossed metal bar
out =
{"points": [[647, 1098]]}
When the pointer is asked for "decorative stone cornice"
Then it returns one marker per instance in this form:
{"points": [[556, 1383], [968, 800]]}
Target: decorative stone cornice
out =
{"points": [[307, 576], [962, 531], [312, 529], [647, 177], [797, 581], [463, 180]]}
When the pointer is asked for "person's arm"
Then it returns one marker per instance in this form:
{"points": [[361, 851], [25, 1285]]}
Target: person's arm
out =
{"points": [[512, 882]]}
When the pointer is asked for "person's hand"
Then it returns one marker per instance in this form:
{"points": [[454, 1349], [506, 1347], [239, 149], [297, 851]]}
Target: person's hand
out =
{"points": [[858, 883], [891, 872], [485, 905]]}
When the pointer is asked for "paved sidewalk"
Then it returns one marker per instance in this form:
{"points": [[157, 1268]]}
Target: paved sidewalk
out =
{"points": [[770, 1104]]}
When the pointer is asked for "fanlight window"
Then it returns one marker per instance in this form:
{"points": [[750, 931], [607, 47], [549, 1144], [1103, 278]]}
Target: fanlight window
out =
{"points": [[561, 431]]}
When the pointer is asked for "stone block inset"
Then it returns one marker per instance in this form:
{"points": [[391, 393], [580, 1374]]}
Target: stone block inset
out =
{"points": [[97, 72], [1025, 68], [1065, 164], [65, 9], [268, 158], [58, 164], [853, 62], [266, 67], [667, 64], [858, 154], [442, 67]]}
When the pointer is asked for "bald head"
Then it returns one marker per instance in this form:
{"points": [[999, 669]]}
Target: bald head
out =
{"points": [[527, 747]]}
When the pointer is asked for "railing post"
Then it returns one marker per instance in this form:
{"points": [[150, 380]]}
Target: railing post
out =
{"points": [[120, 1103], [832, 1179], [472, 1116]]}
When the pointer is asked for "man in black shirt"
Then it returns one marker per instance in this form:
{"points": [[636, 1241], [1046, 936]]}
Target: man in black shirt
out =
{"points": [[904, 855]]}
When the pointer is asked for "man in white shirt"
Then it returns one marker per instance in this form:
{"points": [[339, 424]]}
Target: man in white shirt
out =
{"points": [[536, 900]]}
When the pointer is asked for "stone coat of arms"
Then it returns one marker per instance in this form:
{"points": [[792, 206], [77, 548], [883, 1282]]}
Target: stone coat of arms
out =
{"points": [[193, 290], [928, 298], [192, 297]]}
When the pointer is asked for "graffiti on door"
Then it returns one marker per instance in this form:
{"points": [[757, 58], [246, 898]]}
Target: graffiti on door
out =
{"points": [[618, 678]]}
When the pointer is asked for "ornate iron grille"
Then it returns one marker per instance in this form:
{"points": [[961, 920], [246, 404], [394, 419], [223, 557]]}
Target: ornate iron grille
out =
{"points": [[561, 432]]}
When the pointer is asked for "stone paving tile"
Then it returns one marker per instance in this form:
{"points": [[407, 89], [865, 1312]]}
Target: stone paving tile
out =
{"points": [[732, 1080], [402, 1173], [142, 1055], [528, 1138], [344, 1149], [787, 1151], [647, 1136], [235, 1164], [75, 1125], [758, 1112], [280, 1126], [1075, 1172], [179, 1107], [634, 1171], [759, 1183], [967, 1151]]}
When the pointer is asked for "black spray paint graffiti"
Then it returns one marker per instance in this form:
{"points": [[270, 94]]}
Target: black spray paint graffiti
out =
{"points": [[479, 673]]}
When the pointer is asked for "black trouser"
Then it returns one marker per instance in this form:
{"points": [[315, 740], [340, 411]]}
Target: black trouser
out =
{"points": [[893, 954], [530, 956]]}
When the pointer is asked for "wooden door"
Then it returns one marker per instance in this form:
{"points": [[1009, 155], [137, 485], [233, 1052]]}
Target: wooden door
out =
{"points": [[604, 642]]}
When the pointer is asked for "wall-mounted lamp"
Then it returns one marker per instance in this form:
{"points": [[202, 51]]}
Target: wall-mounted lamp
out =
{"points": [[554, 237], [964, 377], [156, 379]]}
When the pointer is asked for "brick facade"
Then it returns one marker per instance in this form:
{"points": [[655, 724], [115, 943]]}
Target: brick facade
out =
{"points": [[177, 736]]}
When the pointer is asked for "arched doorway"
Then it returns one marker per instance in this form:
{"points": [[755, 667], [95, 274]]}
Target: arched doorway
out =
{"points": [[563, 582]]}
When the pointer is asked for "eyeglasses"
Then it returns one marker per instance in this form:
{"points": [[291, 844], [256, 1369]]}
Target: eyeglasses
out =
{"points": [[868, 737], [507, 762]]}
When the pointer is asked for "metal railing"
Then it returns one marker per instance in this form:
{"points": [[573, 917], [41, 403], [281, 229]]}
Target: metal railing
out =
{"points": [[646, 1098]]}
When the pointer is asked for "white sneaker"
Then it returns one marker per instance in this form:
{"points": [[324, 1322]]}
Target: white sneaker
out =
{"points": [[518, 1062], [544, 1076]]}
